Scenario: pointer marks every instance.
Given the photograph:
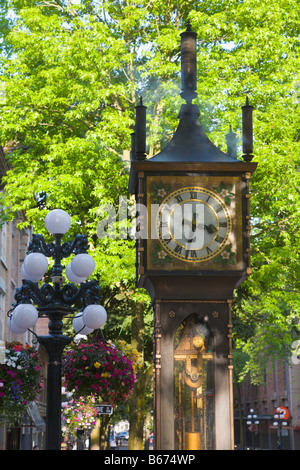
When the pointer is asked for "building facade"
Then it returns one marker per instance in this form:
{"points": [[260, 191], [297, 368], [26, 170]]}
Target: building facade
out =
{"points": [[281, 388], [13, 246]]}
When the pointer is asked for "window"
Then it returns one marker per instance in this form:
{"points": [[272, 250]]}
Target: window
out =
{"points": [[2, 314], [3, 243]]}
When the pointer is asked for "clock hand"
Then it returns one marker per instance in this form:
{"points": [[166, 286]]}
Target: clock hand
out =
{"points": [[211, 228], [194, 222]]}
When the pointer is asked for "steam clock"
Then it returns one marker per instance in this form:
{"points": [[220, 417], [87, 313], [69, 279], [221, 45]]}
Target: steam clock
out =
{"points": [[192, 252]]}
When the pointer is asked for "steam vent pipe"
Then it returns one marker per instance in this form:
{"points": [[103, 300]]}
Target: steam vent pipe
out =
{"points": [[188, 64]]}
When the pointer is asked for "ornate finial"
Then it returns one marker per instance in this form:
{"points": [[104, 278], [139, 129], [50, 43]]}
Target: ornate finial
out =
{"points": [[231, 143], [188, 26]]}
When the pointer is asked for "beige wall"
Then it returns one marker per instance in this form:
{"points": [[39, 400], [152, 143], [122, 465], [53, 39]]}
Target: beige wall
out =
{"points": [[13, 243]]}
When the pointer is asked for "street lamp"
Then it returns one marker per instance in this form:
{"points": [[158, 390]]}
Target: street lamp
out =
{"points": [[253, 422], [280, 421], [57, 301]]}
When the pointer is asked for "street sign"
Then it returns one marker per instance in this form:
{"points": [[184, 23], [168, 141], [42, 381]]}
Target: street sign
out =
{"points": [[283, 413], [104, 409]]}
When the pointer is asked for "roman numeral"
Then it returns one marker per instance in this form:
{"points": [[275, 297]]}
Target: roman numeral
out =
{"points": [[178, 249], [219, 239], [178, 198], [191, 254]]}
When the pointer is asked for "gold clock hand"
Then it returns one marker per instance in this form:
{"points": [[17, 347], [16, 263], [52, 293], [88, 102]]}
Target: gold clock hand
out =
{"points": [[211, 228]]}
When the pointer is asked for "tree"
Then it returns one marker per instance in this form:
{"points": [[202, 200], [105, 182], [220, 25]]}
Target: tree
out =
{"points": [[68, 115], [73, 74], [257, 54]]}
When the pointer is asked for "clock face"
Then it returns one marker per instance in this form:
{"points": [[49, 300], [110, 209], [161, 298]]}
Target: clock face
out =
{"points": [[193, 224]]}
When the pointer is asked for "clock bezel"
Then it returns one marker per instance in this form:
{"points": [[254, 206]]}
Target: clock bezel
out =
{"points": [[188, 268]]}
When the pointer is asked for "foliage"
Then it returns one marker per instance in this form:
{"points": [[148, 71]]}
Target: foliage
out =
{"points": [[68, 114], [21, 380], [96, 368], [79, 414], [251, 48]]}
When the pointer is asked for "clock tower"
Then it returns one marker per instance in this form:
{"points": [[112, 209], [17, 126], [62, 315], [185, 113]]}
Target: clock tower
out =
{"points": [[192, 251]]}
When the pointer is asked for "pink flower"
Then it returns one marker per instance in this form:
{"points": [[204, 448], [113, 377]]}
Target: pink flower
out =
{"points": [[10, 372]]}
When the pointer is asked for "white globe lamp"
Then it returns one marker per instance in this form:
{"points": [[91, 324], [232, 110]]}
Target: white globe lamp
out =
{"points": [[26, 276], [13, 327], [83, 265], [25, 316], [94, 316], [71, 276], [35, 265], [79, 326], [58, 222]]}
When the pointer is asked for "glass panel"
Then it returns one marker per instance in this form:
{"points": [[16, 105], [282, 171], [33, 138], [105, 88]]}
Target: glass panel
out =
{"points": [[194, 386]]}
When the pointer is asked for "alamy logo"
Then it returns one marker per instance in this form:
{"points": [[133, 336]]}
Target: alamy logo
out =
{"points": [[296, 92], [182, 222], [2, 92], [296, 352], [2, 352]]}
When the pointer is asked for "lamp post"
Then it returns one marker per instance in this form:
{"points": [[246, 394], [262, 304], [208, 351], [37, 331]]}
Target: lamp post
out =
{"points": [[253, 422], [57, 301], [280, 417]]}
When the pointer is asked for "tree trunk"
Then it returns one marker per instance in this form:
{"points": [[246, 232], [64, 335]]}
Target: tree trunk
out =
{"points": [[238, 389], [137, 399], [103, 432], [148, 426]]}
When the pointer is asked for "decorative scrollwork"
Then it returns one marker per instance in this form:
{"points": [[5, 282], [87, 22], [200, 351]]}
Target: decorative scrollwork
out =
{"points": [[38, 245], [22, 295], [47, 295], [29, 291], [69, 294], [79, 245], [91, 293]]}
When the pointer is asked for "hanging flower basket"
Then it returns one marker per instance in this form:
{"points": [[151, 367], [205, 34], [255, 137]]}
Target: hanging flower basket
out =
{"points": [[253, 428], [79, 415], [21, 380], [130, 352], [94, 367]]}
